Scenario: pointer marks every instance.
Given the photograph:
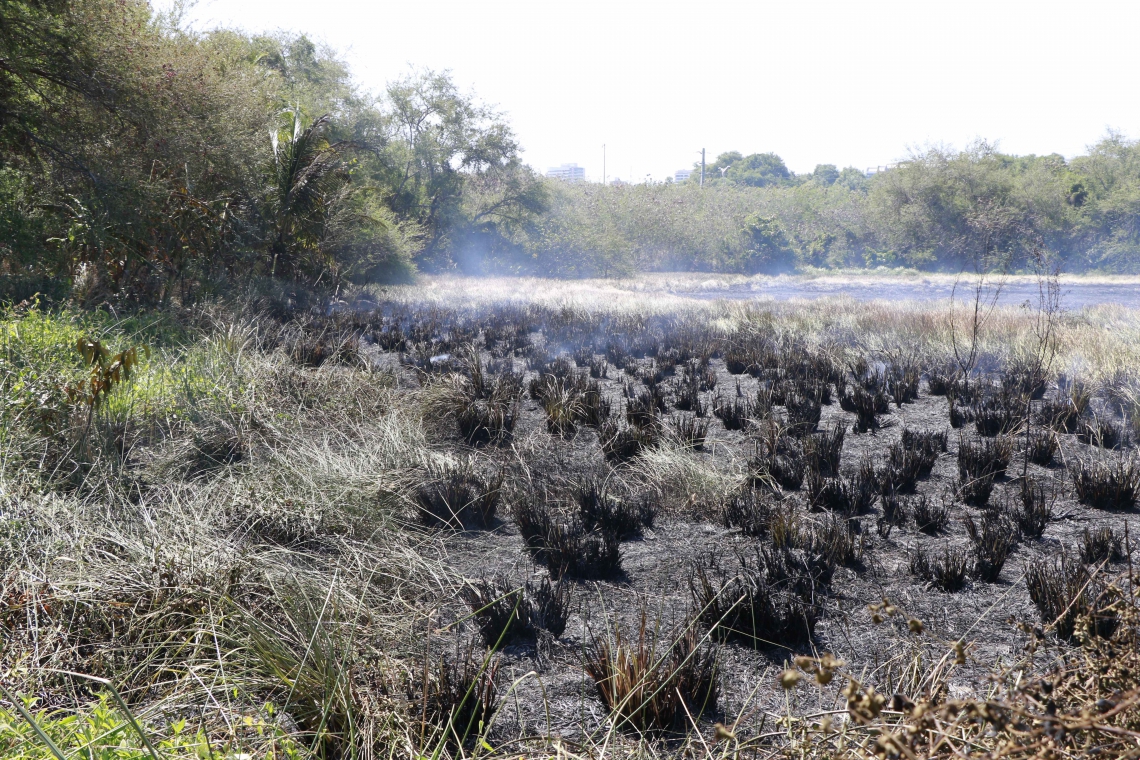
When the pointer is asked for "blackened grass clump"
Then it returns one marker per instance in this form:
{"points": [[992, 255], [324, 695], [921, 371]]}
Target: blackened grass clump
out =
{"points": [[845, 496], [460, 697], [1099, 430], [621, 443], [1066, 412], [1042, 446], [765, 600], [648, 685], [505, 613], [896, 512], [947, 571], [486, 407], [734, 413], [1104, 485], [980, 462], [993, 539], [1101, 545], [998, 415], [913, 457], [867, 406], [600, 511], [930, 517], [749, 511], [456, 495], [778, 461], [1034, 507], [823, 449], [1066, 593], [564, 543]]}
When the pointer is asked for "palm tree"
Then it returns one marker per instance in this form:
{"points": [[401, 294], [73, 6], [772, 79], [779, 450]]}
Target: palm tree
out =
{"points": [[310, 180]]}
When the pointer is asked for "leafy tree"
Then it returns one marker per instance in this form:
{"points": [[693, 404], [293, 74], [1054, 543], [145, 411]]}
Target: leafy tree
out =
{"points": [[435, 140], [768, 248], [759, 170], [825, 174]]}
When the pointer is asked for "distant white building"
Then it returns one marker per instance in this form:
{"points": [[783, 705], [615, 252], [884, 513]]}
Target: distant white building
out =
{"points": [[682, 175], [567, 173], [873, 170]]}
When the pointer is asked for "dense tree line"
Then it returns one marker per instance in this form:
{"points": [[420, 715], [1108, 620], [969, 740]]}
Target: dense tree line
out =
{"points": [[144, 162], [939, 210]]}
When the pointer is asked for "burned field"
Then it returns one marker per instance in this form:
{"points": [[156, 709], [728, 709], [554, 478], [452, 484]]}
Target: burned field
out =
{"points": [[467, 525], [662, 524]]}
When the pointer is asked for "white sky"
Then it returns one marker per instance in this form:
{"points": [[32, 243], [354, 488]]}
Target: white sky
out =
{"points": [[848, 83]]}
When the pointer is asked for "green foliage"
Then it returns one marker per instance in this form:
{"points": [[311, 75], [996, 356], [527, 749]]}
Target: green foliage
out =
{"points": [[940, 209], [147, 163], [102, 732]]}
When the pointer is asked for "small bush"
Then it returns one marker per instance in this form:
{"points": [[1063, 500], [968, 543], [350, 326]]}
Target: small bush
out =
{"points": [[1106, 486], [647, 689], [1101, 545], [457, 496], [929, 517], [947, 571], [993, 541]]}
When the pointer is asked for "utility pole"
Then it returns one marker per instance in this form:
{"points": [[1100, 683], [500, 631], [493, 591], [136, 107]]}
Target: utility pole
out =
{"points": [[702, 167], [603, 164]]}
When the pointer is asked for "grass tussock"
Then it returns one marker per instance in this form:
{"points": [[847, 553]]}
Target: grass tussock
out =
{"points": [[651, 684]]}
